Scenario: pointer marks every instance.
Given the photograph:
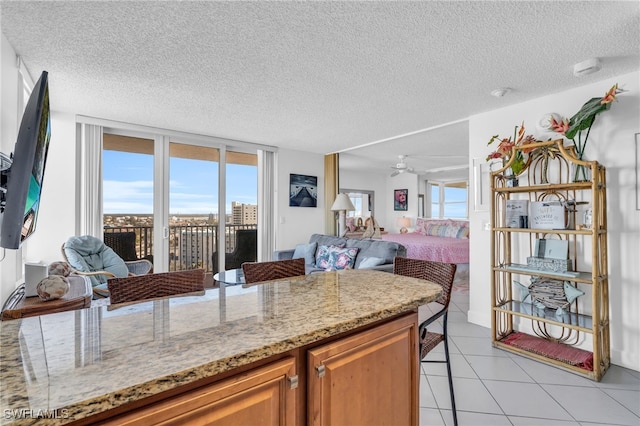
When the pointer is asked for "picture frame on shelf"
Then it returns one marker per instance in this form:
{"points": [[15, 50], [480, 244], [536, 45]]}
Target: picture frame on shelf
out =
{"points": [[400, 199]]}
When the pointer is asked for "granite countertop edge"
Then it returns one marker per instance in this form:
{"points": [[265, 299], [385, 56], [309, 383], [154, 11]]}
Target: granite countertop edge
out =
{"points": [[112, 400]]}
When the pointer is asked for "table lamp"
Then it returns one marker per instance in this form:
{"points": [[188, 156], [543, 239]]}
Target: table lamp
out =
{"points": [[403, 223], [341, 205]]}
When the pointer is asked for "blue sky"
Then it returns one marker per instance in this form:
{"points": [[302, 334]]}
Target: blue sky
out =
{"points": [[128, 184], [453, 195]]}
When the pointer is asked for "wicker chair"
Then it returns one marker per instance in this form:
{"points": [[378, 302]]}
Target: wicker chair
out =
{"points": [[441, 274], [152, 286], [274, 270], [100, 277]]}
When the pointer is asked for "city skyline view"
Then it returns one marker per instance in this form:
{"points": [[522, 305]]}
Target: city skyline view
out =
{"points": [[128, 184]]}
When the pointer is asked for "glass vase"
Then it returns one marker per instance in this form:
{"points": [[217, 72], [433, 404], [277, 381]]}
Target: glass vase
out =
{"points": [[512, 181], [581, 173]]}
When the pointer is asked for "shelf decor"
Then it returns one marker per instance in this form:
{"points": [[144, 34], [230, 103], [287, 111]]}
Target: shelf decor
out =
{"points": [[549, 318], [580, 126], [514, 160]]}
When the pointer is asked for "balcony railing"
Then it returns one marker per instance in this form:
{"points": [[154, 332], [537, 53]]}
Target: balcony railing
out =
{"points": [[190, 246]]}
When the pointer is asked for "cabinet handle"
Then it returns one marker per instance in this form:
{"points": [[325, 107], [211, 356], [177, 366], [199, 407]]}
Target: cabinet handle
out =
{"points": [[293, 382], [320, 370]]}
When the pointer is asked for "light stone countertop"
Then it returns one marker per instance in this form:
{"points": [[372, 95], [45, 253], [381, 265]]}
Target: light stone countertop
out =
{"points": [[87, 361]]}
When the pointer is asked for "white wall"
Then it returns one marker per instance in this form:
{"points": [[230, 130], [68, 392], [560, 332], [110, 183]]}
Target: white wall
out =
{"points": [[611, 142], [10, 265], [296, 224], [406, 181], [56, 218]]}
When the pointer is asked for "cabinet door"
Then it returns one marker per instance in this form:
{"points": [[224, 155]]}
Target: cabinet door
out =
{"points": [[258, 397], [370, 378]]}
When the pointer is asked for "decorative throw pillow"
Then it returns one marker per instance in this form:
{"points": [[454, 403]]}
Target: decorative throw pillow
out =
{"points": [[306, 251], [322, 256], [341, 258], [421, 226]]}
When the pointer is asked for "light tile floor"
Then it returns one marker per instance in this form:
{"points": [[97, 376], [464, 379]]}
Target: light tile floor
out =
{"points": [[494, 387]]}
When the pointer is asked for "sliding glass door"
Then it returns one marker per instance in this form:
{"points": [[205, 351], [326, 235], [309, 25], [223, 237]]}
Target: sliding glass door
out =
{"points": [[165, 199], [128, 196]]}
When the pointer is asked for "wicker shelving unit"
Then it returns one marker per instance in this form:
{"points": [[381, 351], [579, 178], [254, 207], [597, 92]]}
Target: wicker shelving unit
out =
{"points": [[582, 329]]}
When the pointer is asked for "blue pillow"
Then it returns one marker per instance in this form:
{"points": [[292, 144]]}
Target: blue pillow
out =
{"points": [[307, 251], [370, 262]]}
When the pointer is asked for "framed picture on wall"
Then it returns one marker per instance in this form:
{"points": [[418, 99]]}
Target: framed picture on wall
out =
{"points": [[303, 191], [400, 199]]}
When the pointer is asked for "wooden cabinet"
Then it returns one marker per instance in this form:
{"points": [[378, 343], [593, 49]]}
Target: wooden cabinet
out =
{"points": [[367, 379], [263, 396], [576, 336]]}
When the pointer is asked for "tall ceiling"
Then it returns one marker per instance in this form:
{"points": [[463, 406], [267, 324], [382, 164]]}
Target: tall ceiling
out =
{"points": [[388, 77]]}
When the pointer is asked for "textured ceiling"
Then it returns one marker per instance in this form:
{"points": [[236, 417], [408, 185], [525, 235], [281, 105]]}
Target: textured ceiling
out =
{"points": [[317, 76]]}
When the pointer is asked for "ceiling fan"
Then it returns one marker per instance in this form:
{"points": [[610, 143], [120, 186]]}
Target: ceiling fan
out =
{"points": [[402, 167]]}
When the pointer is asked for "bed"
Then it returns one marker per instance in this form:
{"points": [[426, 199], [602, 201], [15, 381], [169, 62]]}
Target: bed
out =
{"points": [[437, 240]]}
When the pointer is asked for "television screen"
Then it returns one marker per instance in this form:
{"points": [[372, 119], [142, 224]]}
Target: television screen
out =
{"points": [[22, 181]]}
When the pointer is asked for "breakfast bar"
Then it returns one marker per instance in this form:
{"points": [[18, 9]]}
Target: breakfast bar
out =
{"points": [[314, 349]]}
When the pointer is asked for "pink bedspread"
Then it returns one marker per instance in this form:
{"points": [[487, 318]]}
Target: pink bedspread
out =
{"points": [[438, 249]]}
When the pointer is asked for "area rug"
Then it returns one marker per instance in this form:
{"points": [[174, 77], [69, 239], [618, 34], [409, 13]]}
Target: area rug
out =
{"points": [[558, 351]]}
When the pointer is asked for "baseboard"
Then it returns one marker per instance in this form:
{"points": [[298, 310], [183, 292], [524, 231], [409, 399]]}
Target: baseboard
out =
{"points": [[626, 360], [479, 318]]}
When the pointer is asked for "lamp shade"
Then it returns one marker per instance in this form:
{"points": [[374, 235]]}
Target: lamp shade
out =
{"points": [[404, 222], [342, 202]]}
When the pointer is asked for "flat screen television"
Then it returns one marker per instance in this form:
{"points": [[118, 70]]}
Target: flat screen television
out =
{"points": [[22, 173]]}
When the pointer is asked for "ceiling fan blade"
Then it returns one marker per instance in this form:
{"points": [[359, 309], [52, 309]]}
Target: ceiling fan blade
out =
{"points": [[396, 173]]}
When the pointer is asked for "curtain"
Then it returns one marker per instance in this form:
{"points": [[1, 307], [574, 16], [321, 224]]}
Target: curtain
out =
{"points": [[89, 177], [331, 186], [266, 205]]}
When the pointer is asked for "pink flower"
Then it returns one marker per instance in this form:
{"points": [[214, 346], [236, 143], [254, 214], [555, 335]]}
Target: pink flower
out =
{"points": [[559, 126], [610, 96]]}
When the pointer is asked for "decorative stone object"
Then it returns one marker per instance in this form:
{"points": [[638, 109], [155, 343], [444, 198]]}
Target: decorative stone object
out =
{"points": [[52, 287]]}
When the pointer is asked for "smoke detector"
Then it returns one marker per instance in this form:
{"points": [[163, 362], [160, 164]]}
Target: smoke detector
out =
{"points": [[498, 93], [587, 67]]}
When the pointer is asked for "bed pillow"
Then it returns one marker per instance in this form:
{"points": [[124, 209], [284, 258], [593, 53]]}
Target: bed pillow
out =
{"points": [[341, 258], [449, 229], [421, 226], [306, 251]]}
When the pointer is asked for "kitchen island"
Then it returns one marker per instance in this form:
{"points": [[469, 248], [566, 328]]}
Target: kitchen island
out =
{"points": [[311, 339]]}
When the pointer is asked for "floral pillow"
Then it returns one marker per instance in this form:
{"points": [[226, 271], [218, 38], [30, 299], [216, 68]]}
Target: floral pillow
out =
{"points": [[341, 258], [322, 255]]}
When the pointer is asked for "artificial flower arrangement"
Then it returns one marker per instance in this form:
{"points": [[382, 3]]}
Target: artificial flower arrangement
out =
{"points": [[583, 120], [505, 149]]}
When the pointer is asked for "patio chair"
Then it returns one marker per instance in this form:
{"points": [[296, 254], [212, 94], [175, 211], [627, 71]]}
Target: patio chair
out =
{"points": [[273, 270], [246, 250], [153, 286], [441, 274], [124, 244], [90, 256]]}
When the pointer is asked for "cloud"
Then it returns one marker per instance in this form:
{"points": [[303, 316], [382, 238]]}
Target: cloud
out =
{"points": [[137, 197]]}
